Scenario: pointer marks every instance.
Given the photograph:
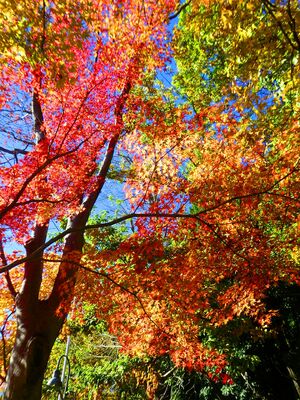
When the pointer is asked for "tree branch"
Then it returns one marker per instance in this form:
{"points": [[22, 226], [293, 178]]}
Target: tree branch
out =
{"points": [[7, 276], [90, 201], [66, 277], [271, 12], [266, 192], [178, 11], [34, 174], [33, 268], [105, 275], [38, 117], [14, 151], [292, 23]]}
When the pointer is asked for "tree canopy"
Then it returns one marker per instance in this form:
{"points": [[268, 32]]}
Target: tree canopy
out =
{"points": [[206, 170]]}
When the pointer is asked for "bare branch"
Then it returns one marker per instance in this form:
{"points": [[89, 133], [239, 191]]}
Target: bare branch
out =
{"points": [[14, 151]]}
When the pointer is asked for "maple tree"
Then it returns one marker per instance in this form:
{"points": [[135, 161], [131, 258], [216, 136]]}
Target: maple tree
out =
{"points": [[211, 176], [75, 65]]}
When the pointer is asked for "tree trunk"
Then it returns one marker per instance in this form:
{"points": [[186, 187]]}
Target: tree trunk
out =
{"points": [[39, 322], [35, 336]]}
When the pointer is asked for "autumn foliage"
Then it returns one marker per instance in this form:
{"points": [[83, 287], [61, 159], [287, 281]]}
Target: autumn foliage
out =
{"points": [[210, 172]]}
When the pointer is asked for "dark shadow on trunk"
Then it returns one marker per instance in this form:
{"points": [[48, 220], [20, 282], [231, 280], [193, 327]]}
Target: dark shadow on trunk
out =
{"points": [[36, 334]]}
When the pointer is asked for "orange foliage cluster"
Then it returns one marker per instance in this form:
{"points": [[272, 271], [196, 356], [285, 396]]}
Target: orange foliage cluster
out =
{"points": [[214, 206]]}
